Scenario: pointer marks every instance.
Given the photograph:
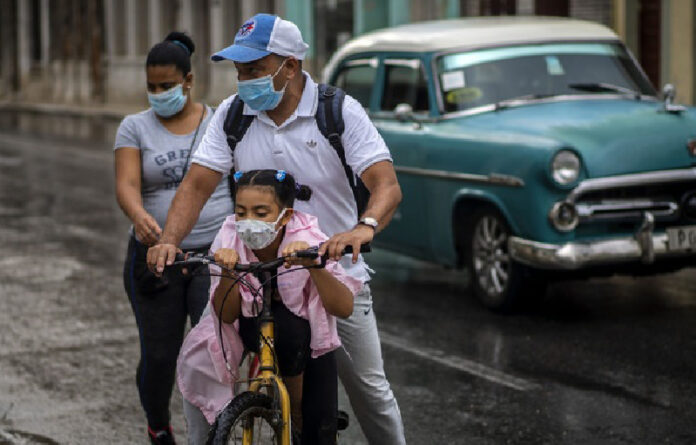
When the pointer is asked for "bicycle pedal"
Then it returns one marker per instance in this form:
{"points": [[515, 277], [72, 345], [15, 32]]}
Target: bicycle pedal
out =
{"points": [[342, 420]]}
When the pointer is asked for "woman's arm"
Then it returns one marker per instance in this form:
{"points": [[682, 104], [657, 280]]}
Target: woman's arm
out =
{"points": [[128, 194], [233, 304]]}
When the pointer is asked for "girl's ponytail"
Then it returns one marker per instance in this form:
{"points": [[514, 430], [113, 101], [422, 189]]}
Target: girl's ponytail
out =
{"points": [[304, 193]]}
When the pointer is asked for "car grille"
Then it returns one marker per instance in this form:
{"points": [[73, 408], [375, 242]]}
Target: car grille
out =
{"points": [[626, 204]]}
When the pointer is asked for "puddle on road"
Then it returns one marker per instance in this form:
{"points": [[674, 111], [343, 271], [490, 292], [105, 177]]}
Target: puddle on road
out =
{"points": [[14, 437]]}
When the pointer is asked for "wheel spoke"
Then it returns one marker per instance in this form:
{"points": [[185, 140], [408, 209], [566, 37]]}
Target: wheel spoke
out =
{"points": [[485, 234], [501, 273], [492, 229], [495, 281]]}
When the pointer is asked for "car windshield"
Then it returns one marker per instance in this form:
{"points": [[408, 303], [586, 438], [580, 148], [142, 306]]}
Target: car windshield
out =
{"points": [[491, 76]]}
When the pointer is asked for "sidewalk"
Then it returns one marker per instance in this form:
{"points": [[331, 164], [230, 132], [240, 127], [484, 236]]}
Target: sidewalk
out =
{"points": [[109, 111]]}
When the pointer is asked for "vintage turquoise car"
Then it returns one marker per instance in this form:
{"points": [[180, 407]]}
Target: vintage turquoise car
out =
{"points": [[525, 145]]}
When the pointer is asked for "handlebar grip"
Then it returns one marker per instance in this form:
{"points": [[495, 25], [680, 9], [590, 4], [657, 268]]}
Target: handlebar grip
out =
{"points": [[307, 254], [364, 248]]}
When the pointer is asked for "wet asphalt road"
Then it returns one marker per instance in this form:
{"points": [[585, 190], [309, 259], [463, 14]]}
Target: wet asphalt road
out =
{"points": [[601, 361]]}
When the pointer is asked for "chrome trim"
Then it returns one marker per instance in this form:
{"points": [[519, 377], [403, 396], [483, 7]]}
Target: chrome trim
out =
{"points": [[552, 99], [372, 62], [644, 238], [560, 225], [668, 93], [577, 255], [492, 178], [631, 180], [629, 209], [414, 63]]}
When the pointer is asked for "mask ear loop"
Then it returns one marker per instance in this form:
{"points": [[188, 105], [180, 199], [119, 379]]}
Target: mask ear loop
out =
{"points": [[276, 73]]}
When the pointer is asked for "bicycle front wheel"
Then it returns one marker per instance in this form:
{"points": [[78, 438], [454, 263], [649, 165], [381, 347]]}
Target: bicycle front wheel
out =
{"points": [[251, 410]]}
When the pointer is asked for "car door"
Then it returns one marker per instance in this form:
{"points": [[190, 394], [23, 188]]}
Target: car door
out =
{"points": [[381, 85], [402, 80]]}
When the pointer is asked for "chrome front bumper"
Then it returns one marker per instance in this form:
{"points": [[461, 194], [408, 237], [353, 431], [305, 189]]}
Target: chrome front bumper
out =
{"points": [[644, 246]]}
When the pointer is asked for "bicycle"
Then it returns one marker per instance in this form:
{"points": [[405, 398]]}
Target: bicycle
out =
{"points": [[266, 403]]}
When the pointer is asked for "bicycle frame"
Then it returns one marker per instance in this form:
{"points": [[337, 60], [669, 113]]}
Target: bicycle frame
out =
{"points": [[267, 375], [267, 370]]}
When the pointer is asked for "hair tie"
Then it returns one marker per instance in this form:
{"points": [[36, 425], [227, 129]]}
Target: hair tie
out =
{"points": [[178, 43], [238, 176], [280, 175]]}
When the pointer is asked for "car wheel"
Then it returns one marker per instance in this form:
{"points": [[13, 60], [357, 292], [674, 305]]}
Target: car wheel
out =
{"points": [[497, 281]]}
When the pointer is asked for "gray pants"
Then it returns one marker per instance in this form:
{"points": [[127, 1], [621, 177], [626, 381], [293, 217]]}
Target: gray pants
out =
{"points": [[361, 370]]}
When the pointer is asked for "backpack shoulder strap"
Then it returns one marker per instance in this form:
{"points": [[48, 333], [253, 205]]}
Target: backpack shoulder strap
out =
{"points": [[329, 117], [236, 123]]}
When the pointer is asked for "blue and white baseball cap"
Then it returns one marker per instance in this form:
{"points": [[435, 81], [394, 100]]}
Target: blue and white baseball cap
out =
{"points": [[261, 35]]}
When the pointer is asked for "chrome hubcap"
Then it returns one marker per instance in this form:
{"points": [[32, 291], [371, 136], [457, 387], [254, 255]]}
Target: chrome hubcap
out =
{"points": [[490, 257]]}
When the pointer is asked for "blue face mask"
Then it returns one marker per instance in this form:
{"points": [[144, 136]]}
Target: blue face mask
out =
{"points": [[168, 103], [259, 93]]}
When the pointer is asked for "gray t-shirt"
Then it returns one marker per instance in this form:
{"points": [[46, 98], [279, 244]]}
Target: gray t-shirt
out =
{"points": [[163, 156]]}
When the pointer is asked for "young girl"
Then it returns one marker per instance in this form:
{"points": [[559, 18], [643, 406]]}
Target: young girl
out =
{"points": [[304, 304]]}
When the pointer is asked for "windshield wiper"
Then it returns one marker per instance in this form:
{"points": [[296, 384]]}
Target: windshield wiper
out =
{"points": [[508, 102], [598, 87]]}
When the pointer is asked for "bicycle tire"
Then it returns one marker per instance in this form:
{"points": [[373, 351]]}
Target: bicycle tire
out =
{"points": [[247, 406]]}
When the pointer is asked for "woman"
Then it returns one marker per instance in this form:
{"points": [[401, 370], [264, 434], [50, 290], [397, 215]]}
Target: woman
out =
{"points": [[152, 152]]}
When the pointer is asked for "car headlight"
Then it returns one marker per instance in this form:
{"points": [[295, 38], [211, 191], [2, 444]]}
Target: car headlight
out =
{"points": [[565, 167]]}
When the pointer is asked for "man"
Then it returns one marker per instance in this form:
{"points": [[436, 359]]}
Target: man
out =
{"points": [[267, 53]]}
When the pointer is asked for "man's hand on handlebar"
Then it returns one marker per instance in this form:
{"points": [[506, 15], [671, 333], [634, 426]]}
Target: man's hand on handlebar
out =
{"points": [[295, 260], [228, 258], [334, 246], [161, 255]]}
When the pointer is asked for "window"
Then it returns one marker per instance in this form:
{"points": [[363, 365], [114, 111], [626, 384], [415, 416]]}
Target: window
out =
{"points": [[404, 84], [357, 80], [477, 78]]}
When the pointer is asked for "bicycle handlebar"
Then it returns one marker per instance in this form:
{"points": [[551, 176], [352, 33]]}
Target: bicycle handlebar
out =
{"points": [[312, 253]]}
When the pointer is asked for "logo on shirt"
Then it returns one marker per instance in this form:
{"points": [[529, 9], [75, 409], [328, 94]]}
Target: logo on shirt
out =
{"points": [[247, 28], [311, 143]]}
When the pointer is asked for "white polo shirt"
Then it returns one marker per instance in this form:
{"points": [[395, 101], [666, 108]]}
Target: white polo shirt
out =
{"points": [[298, 147]]}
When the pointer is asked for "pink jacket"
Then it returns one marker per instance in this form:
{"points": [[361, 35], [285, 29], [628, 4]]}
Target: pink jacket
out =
{"points": [[202, 374]]}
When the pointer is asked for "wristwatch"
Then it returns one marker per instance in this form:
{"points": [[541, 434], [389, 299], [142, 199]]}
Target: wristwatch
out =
{"points": [[368, 221]]}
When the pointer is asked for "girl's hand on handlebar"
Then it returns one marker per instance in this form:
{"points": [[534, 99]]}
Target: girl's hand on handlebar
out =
{"points": [[227, 258], [146, 229], [295, 261]]}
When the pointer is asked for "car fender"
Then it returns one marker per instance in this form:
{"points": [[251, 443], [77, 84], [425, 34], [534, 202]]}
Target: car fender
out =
{"points": [[444, 235]]}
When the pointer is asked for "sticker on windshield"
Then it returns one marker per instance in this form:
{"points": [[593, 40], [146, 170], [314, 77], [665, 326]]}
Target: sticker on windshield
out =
{"points": [[553, 66], [452, 80], [463, 95]]}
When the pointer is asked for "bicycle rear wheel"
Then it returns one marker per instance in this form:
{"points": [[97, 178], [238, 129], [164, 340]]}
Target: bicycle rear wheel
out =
{"points": [[247, 409]]}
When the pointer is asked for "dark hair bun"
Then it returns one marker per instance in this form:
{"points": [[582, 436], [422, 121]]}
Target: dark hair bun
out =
{"points": [[181, 38], [303, 193]]}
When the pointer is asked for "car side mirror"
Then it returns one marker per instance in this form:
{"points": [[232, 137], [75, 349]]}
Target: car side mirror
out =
{"points": [[669, 92], [404, 112]]}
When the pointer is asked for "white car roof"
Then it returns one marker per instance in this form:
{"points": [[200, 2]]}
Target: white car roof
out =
{"points": [[469, 33]]}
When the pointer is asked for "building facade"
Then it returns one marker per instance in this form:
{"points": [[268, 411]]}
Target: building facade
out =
{"points": [[93, 51]]}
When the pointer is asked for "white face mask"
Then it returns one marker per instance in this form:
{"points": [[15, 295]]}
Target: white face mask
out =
{"points": [[256, 234]]}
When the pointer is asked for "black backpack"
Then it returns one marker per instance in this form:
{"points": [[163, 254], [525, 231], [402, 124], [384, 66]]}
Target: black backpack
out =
{"points": [[329, 117]]}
